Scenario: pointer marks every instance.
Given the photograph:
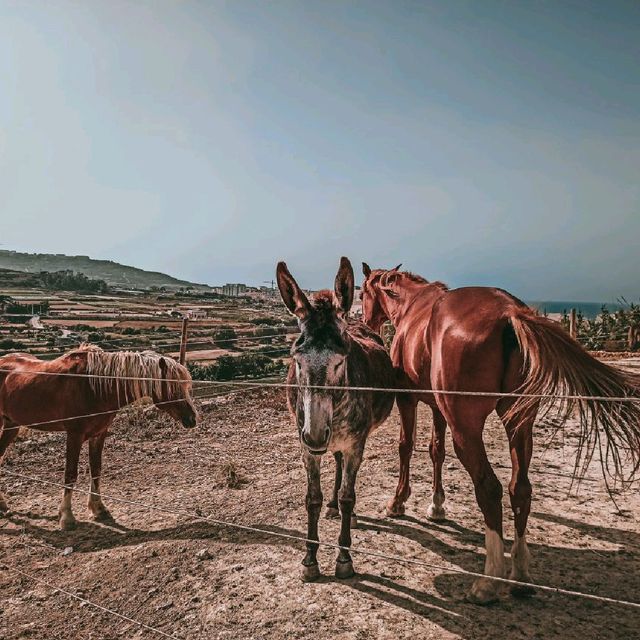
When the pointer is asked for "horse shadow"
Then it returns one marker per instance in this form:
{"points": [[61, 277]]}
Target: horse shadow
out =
{"points": [[613, 573]]}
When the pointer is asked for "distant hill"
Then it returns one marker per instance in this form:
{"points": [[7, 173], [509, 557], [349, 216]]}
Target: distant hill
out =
{"points": [[113, 273]]}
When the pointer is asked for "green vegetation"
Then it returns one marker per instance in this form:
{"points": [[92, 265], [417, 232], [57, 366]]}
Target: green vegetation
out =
{"points": [[247, 365], [67, 280], [113, 273], [607, 329]]}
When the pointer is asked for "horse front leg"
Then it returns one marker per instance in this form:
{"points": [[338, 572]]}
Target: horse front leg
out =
{"points": [[74, 444], [436, 511], [9, 434], [95, 504], [311, 571], [352, 460], [407, 406]]}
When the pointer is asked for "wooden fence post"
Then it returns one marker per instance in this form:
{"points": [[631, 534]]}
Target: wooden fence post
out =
{"points": [[183, 341], [573, 325]]}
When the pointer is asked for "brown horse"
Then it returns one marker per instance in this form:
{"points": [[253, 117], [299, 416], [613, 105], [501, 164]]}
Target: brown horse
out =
{"points": [[100, 383], [333, 351], [482, 339]]}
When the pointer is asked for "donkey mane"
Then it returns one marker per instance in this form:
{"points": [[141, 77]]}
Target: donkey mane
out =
{"points": [[138, 374]]}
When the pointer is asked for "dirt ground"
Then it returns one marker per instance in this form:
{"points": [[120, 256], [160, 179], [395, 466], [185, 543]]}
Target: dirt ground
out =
{"points": [[196, 580]]}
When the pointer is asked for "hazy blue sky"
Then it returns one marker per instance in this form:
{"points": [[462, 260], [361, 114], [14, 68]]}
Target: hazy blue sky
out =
{"points": [[476, 142]]}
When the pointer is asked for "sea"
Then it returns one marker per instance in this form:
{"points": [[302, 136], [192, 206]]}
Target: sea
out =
{"points": [[589, 310]]}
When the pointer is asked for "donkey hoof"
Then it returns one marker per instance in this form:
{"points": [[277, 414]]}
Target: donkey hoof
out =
{"points": [[4, 507], [436, 513], [103, 516], [354, 521], [68, 524], [310, 572], [344, 570], [522, 590], [483, 592], [394, 509], [331, 513]]}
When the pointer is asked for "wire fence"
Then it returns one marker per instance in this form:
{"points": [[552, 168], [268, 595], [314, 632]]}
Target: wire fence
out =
{"points": [[233, 386], [262, 530]]}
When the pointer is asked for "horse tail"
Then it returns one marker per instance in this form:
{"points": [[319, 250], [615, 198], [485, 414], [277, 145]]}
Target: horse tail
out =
{"points": [[556, 365]]}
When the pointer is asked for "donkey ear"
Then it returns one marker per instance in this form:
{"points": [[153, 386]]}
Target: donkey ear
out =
{"points": [[344, 285], [293, 296], [366, 269]]}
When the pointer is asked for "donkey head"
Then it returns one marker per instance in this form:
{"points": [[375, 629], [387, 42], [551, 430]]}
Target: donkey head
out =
{"points": [[320, 353]]}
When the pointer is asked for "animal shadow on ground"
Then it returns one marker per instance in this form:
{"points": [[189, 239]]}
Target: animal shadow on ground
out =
{"points": [[611, 573]]}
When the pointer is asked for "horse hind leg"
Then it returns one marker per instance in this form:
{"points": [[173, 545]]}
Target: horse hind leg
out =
{"points": [[9, 434], [436, 511], [333, 510], [332, 506], [519, 430], [470, 450]]}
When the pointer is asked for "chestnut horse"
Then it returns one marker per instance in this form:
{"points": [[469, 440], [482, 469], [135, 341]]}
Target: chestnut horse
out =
{"points": [[333, 351], [100, 383], [482, 339]]}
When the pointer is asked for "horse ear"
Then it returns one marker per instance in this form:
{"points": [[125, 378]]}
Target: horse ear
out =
{"points": [[395, 268], [344, 285], [292, 295], [366, 269]]}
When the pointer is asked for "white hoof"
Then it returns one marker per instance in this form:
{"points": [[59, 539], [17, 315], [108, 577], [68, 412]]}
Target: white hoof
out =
{"points": [[436, 513]]}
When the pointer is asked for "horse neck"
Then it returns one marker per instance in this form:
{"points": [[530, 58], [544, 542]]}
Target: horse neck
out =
{"points": [[397, 309]]}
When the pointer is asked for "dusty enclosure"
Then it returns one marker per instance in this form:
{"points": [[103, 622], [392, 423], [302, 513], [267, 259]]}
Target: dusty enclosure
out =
{"points": [[195, 580]]}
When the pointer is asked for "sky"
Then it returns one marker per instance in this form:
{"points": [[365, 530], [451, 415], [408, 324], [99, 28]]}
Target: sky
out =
{"points": [[478, 143]]}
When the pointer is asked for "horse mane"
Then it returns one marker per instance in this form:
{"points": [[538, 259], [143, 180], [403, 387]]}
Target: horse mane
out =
{"points": [[138, 374]]}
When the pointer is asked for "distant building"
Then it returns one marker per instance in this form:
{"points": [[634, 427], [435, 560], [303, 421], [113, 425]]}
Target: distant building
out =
{"points": [[196, 314], [234, 290]]}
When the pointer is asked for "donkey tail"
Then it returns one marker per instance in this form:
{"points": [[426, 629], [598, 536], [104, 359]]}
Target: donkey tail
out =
{"points": [[605, 398]]}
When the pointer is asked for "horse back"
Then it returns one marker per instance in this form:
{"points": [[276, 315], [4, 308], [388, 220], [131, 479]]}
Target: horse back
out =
{"points": [[471, 340]]}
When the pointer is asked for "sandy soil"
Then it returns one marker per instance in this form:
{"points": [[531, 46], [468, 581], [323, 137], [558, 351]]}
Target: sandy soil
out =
{"points": [[196, 580]]}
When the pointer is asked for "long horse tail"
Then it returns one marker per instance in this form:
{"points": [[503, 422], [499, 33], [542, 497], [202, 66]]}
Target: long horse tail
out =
{"points": [[606, 399]]}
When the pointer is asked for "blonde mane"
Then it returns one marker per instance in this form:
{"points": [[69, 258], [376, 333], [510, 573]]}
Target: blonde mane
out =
{"points": [[137, 374]]}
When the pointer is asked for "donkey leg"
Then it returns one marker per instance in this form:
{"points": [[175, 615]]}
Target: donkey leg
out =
{"points": [[436, 510], [74, 444], [310, 571], [9, 434], [471, 452], [332, 506], [407, 405], [519, 431], [352, 460], [95, 504]]}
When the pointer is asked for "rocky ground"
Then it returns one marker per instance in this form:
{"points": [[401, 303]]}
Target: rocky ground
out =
{"points": [[195, 579]]}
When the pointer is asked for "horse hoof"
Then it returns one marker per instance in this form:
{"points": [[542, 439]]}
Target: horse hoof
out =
{"points": [[344, 570], [354, 521], [394, 510], [310, 573], [436, 513], [483, 592], [332, 513], [4, 507]]}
